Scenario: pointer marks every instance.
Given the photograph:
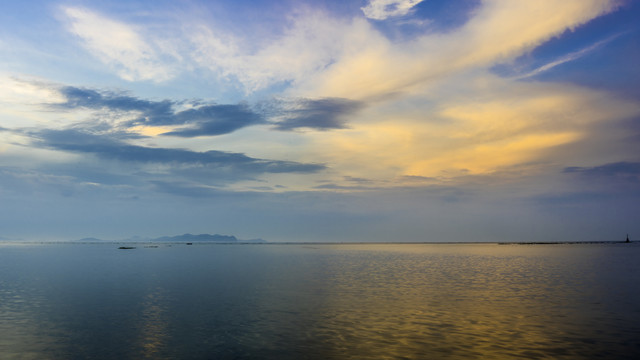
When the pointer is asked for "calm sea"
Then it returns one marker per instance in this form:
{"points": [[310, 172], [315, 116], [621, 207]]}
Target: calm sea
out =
{"points": [[422, 301]]}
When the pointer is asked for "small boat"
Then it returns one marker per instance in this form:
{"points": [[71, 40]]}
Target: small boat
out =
{"points": [[126, 247]]}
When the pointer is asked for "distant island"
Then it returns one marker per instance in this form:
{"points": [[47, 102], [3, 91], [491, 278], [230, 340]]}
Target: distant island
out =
{"points": [[197, 238], [189, 238]]}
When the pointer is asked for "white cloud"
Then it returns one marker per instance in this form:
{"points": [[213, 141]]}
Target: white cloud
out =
{"points": [[311, 44], [307, 46], [118, 45], [21, 98], [383, 9], [26, 91]]}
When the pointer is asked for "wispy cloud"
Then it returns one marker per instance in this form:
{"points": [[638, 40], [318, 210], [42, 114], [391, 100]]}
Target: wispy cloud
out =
{"points": [[311, 41], [567, 58], [188, 189], [383, 9], [626, 170], [118, 45], [499, 30], [320, 56]]}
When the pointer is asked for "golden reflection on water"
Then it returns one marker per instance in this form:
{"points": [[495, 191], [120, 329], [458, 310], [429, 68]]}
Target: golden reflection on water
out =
{"points": [[154, 324], [24, 334], [421, 305]]}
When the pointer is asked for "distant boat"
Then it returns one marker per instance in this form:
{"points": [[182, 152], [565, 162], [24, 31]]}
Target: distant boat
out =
{"points": [[126, 247], [627, 238], [189, 243]]}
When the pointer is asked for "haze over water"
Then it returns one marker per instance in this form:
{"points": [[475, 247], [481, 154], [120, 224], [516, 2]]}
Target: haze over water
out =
{"points": [[387, 301]]}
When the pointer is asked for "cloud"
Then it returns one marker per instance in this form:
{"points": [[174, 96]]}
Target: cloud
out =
{"points": [[611, 190], [215, 120], [318, 114], [614, 186], [370, 66], [422, 107], [156, 111], [119, 46], [309, 42], [568, 57], [19, 95], [320, 56], [104, 147], [383, 9], [189, 44], [189, 189], [51, 179], [622, 170], [583, 198], [199, 120], [478, 124]]}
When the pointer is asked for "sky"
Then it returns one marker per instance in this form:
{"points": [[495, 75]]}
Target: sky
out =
{"points": [[347, 120]]}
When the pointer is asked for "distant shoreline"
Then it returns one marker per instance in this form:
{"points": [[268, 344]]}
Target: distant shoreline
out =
{"points": [[141, 243]]}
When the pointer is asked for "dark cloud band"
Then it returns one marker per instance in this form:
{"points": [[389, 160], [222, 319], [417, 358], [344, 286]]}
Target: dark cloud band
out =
{"points": [[624, 169], [203, 120], [113, 149], [318, 114], [218, 119]]}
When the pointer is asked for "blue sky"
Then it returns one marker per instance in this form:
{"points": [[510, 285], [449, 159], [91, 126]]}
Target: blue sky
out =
{"points": [[378, 120]]}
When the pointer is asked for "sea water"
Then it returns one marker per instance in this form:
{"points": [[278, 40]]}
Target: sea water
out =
{"points": [[319, 301]]}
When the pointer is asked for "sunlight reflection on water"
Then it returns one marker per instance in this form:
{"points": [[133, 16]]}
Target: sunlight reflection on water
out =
{"points": [[320, 301]]}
